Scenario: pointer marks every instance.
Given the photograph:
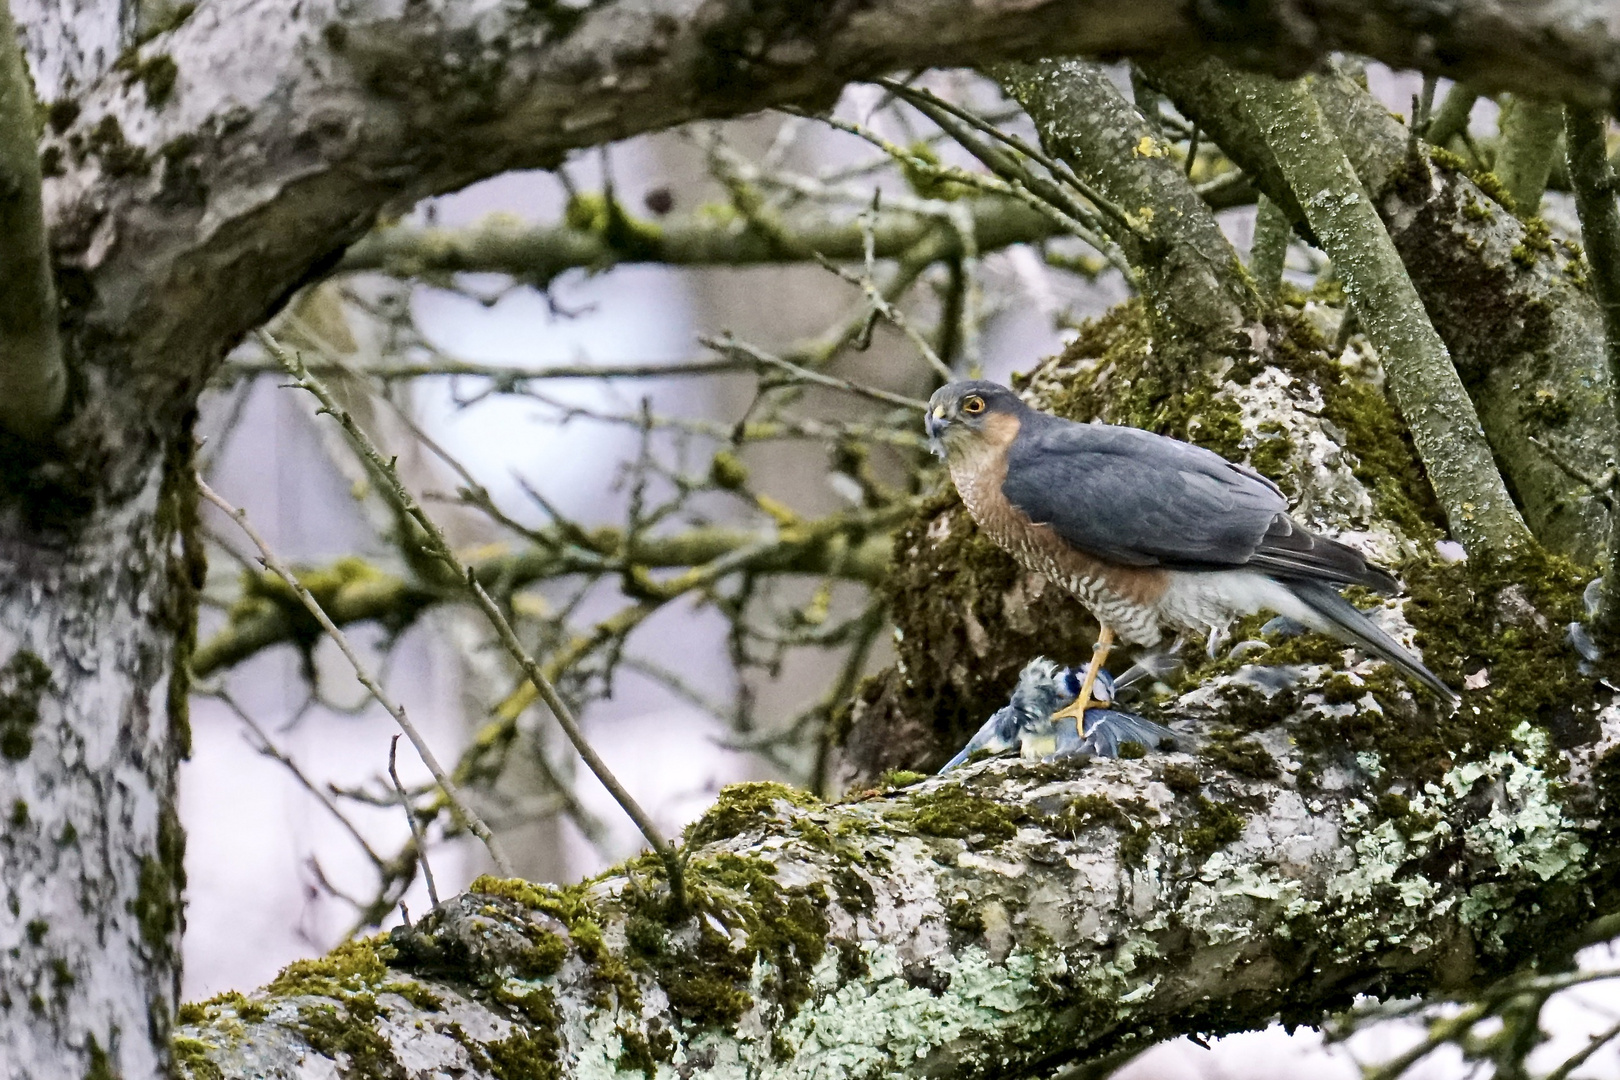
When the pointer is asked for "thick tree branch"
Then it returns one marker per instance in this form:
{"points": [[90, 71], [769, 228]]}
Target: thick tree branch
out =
{"points": [[232, 157], [1007, 920], [1524, 158], [33, 381], [1189, 274], [1594, 182]]}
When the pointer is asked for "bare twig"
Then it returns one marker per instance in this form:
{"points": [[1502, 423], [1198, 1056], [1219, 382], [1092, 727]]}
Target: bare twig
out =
{"points": [[452, 795], [730, 345], [268, 748], [437, 546], [416, 826]]}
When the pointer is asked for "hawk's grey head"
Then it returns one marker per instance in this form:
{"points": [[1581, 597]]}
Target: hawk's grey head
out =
{"points": [[965, 412]]}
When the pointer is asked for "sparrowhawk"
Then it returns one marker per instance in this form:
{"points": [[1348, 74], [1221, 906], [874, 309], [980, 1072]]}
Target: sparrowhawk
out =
{"points": [[1147, 531]]}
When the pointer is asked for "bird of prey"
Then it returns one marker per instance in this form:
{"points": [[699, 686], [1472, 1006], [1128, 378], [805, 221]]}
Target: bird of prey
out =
{"points": [[1028, 721], [1147, 531]]}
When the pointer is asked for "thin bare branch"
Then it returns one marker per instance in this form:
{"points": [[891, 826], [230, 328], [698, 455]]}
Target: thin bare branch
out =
{"points": [[437, 546], [410, 816], [273, 563]]}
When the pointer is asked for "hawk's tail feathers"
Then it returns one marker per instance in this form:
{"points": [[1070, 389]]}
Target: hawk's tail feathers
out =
{"points": [[1353, 626]]}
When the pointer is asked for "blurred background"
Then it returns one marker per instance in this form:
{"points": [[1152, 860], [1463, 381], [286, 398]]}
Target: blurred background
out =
{"points": [[295, 829]]}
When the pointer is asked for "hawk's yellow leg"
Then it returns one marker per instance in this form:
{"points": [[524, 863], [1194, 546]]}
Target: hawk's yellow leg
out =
{"points": [[1099, 653]]}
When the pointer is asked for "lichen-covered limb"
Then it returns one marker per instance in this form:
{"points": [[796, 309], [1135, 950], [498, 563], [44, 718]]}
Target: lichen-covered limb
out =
{"points": [[1187, 271], [1593, 180], [1004, 920], [1433, 402], [33, 381], [350, 590], [1510, 305], [594, 240]]}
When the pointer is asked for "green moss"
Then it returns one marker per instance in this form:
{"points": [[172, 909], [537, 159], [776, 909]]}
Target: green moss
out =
{"points": [[347, 1034], [157, 74], [101, 1067], [526, 1056], [1273, 455], [118, 156], [37, 929], [200, 1012], [635, 1053], [1131, 750], [19, 814], [24, 682], [1215, 826], [61, 114], [415, 993], [921, 171], [955, 812], [1180, 779], [630, 238], [1088, 810], [159, 898], [542, 959], [901, 778], [192, 1056], [744, 806], [180, 535], [1228, 750], [726, 471], [1133, 847], [352, 967]]}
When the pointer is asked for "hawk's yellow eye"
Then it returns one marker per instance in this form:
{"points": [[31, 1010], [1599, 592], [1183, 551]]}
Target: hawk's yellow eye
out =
{"points": [[973, 406]]}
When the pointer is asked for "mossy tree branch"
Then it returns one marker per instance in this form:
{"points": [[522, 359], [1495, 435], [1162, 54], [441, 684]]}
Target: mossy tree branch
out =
{"points": [[350, 591], [1438, 412], [968, 924], [33, 378], [1594, 182]]}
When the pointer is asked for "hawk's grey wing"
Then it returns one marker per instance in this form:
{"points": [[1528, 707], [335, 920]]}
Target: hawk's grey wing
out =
{"points": [[1134, 498]]}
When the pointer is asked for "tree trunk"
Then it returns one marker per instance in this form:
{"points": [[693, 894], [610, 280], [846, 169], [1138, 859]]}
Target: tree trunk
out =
{"points": [[96, 592]]}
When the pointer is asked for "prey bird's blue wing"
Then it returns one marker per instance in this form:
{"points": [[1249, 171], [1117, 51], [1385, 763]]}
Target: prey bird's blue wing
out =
{"points": [[998, 733]]}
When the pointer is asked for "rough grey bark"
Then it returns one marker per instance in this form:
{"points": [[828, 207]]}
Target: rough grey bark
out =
{"points": [[91, 851], [1002, 921], [539, 253]]}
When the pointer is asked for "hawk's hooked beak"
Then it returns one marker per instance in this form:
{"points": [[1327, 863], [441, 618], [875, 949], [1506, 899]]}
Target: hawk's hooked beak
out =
{"points": [[934, 425]]}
